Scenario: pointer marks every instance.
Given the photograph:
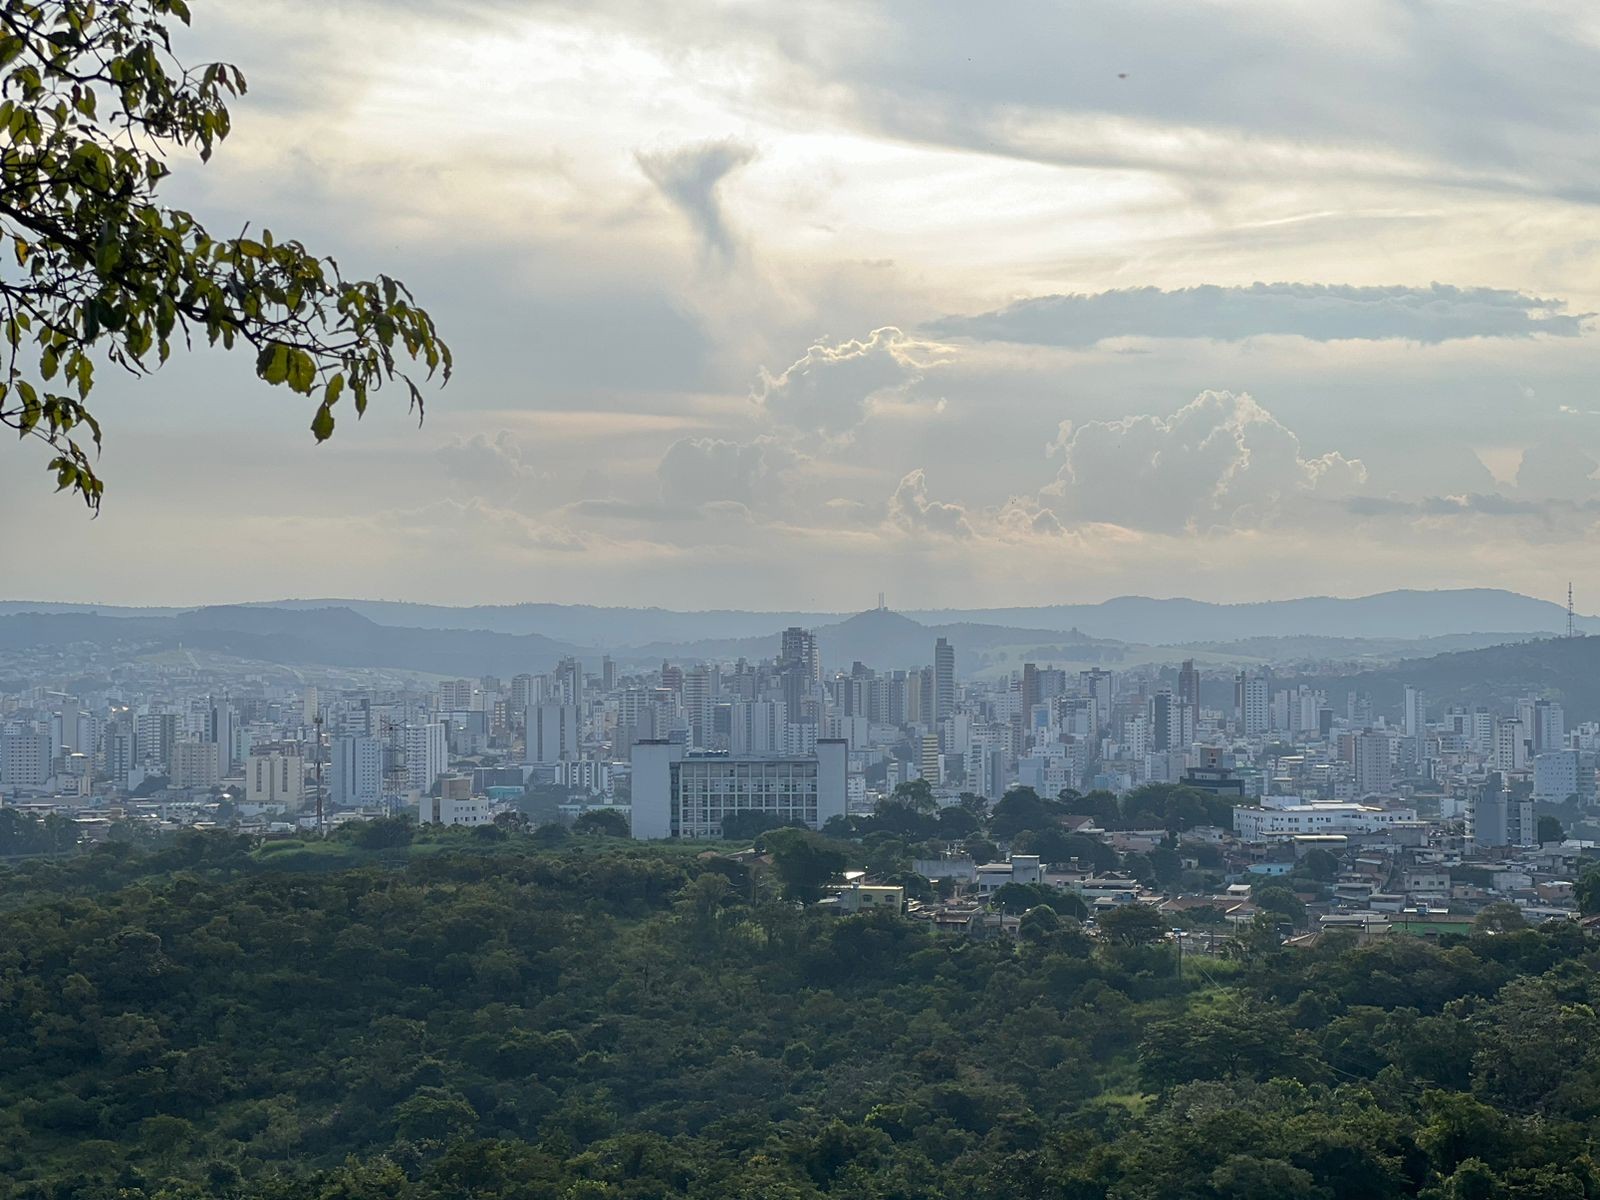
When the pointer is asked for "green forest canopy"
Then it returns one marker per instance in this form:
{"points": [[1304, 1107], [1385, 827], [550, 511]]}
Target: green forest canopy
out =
{"points": [[479, 1015]]}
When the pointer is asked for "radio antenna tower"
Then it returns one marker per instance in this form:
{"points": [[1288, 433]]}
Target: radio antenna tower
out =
{"points": [[1571, 631], [316, 722]]}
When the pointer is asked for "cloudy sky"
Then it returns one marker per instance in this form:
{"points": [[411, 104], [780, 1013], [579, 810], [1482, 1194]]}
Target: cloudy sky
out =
{"points": [[781, 305]]}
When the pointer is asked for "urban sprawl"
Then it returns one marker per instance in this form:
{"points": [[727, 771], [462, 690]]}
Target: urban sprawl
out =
{"points": [[1385, 822]]}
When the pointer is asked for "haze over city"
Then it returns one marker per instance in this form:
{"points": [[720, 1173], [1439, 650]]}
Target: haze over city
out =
{"points": [[799, 601], [780, 306]]}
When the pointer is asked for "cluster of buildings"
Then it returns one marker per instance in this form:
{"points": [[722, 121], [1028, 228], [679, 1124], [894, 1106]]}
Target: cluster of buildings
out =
{"points": [[676, 748]]}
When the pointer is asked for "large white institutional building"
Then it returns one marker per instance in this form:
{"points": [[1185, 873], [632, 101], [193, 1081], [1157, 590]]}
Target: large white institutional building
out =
{"points": [[687, 794]]}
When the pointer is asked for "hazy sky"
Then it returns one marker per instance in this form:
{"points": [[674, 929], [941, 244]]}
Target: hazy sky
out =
{"points": [[781, 305]]}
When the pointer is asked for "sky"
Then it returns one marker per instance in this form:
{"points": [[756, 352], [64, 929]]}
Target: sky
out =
{"points": [[783, 305]]}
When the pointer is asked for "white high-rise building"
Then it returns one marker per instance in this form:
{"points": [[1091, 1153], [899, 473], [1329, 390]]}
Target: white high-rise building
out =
{"points": [[1559, 776], [427, 755], [457, 695], [153, 736], [1414, 715], [698, 696], [687, 796], [1250, 698], [275, 779], [1543, 725], [1510, 746], [1482, 736]]}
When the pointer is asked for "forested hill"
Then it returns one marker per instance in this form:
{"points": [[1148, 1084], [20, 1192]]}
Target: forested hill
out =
{"points": [[1565, 669], [495, 1018]]}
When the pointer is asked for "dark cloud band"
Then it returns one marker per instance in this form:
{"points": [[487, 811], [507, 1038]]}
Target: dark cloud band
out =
{"points": [[1320, 312]]}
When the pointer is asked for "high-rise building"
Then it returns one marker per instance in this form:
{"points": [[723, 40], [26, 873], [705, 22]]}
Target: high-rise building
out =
{"points": [[1251, 708], [1543, 724], [758, 727], [698, 696], [1095, 685], [919, 697], [1171, 722], [275, 778], [1482, 737], [1414, 715], [551, 732], [608, 675], [311, 705], [74, 731], [929, 763], [944, 679], [569, 681], [1496, 818], [220, 730], [456, 695], [525, 690], [195, 764], [799, 648], [1510, 746], [118, 743], [25, 759], [153, 736], [1560, 776], [1189, 685], [427, 754], [1372, 764], [357, 771], [1030, 687]]}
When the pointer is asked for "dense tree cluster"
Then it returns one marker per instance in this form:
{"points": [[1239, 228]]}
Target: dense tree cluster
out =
{"points": [[458, 1013]]}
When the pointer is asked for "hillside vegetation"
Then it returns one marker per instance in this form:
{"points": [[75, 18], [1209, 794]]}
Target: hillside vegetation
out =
{"points": [[487, 1016]]}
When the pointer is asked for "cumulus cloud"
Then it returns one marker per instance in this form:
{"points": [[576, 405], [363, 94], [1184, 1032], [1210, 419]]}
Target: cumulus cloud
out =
{"points": [[489, 463], [1320, 312], [704, 470], [911, 508], [690, 178], [1021, 516], [832, 388], [1222, 459]]}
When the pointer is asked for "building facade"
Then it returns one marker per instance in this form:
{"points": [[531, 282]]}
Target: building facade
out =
{"points": [[685, 795]]}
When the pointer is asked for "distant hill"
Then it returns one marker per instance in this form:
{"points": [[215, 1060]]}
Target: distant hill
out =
{"points": [[1398, 614], [327, 637], [1563, 669], [1404, 615]]}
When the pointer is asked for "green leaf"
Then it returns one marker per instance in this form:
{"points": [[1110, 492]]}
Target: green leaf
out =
{"points": [[302, 372], [272, 364], [322, 424]]}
